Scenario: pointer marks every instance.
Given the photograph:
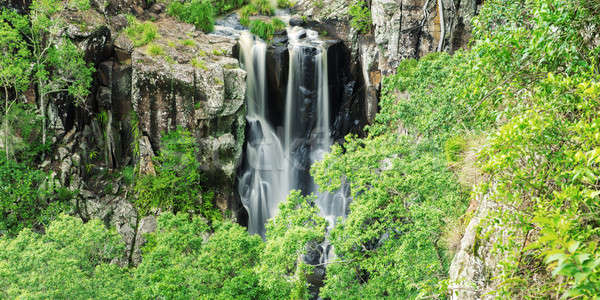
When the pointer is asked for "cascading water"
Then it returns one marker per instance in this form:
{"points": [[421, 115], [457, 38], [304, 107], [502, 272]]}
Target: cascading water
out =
{"points": [[264, 181], [277, 164]]}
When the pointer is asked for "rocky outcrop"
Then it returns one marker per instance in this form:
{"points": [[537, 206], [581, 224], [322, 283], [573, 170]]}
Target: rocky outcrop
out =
{"points": [[476, 265], [183, 78], [196, 85], [401, 29]]}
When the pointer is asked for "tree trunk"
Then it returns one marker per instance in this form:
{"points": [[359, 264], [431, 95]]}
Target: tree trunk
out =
{"points": [[6, 122], [43, 111]]}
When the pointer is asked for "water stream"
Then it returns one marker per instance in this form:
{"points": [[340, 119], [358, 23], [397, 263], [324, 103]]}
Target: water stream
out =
{"points": [[278, 160]]}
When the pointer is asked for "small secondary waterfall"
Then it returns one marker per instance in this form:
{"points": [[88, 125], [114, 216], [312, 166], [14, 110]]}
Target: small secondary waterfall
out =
{"points": [[279, 161]]}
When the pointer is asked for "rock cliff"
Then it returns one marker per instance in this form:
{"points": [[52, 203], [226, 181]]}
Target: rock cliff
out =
{"points": [[401, 29], [138, 94]]}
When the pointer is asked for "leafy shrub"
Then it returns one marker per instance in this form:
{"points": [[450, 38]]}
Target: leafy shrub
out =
{"points": [[295, 231], [246, 12], [390, 244], [284, 3], [26, 125], [71, 260], [140, 33], [79, 4], [198, 63], [223, 6], [360, 17], [189, 43], [25, 196], [278, 25], [177, 185], [262, 29], [264, 7], [198, 12]]}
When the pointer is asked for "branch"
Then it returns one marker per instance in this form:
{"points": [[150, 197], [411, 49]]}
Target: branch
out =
{"points": [[333, 262]]}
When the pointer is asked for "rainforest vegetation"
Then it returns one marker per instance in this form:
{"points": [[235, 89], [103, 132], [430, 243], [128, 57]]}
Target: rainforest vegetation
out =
{"points": [[513, 118]]}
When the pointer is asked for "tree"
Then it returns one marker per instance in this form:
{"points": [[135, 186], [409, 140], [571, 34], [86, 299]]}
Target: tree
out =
{"points": [[181, 261], [14, 69], [58, 65], [71, 260], [296, 230], [177, 185]]}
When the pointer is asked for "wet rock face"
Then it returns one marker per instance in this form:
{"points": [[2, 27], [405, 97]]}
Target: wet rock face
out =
{"points": [[348, 107]]}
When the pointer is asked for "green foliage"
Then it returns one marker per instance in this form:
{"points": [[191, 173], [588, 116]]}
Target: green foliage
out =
{"points": [[25, 125], [285, 4], [70, 72], [403, 197], [141, 33], [454, 147], [15, 61], [69, 261], [155, 50], [266, 30], [198, 12], [177, 185], [189, 43], [360, 17], [296, 229], [79, 4], [278, 25], [224, 6], [264, 7], [180, 262], [246, 12], [528, 81], [29, 198], [198, 63], [73, 260]]}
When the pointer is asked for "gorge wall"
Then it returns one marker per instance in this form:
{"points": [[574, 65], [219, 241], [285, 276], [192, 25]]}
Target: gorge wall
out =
{"points": [[201, 87], [402, 29], [136, 97]]}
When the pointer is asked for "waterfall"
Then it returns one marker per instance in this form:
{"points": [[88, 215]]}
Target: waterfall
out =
{"points": [[277, 164], [263, 183]]}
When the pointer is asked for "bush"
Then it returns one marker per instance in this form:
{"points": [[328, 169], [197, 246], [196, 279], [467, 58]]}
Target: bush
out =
{"points": [[246, 12], [177, 185], [79, 4], [278, 25], [223, 6], [284, 3], [262, 29], [27, 199], [360, 17], [201, 13], [264, 7], [26, 125], [70, 261], [141, 33]]}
